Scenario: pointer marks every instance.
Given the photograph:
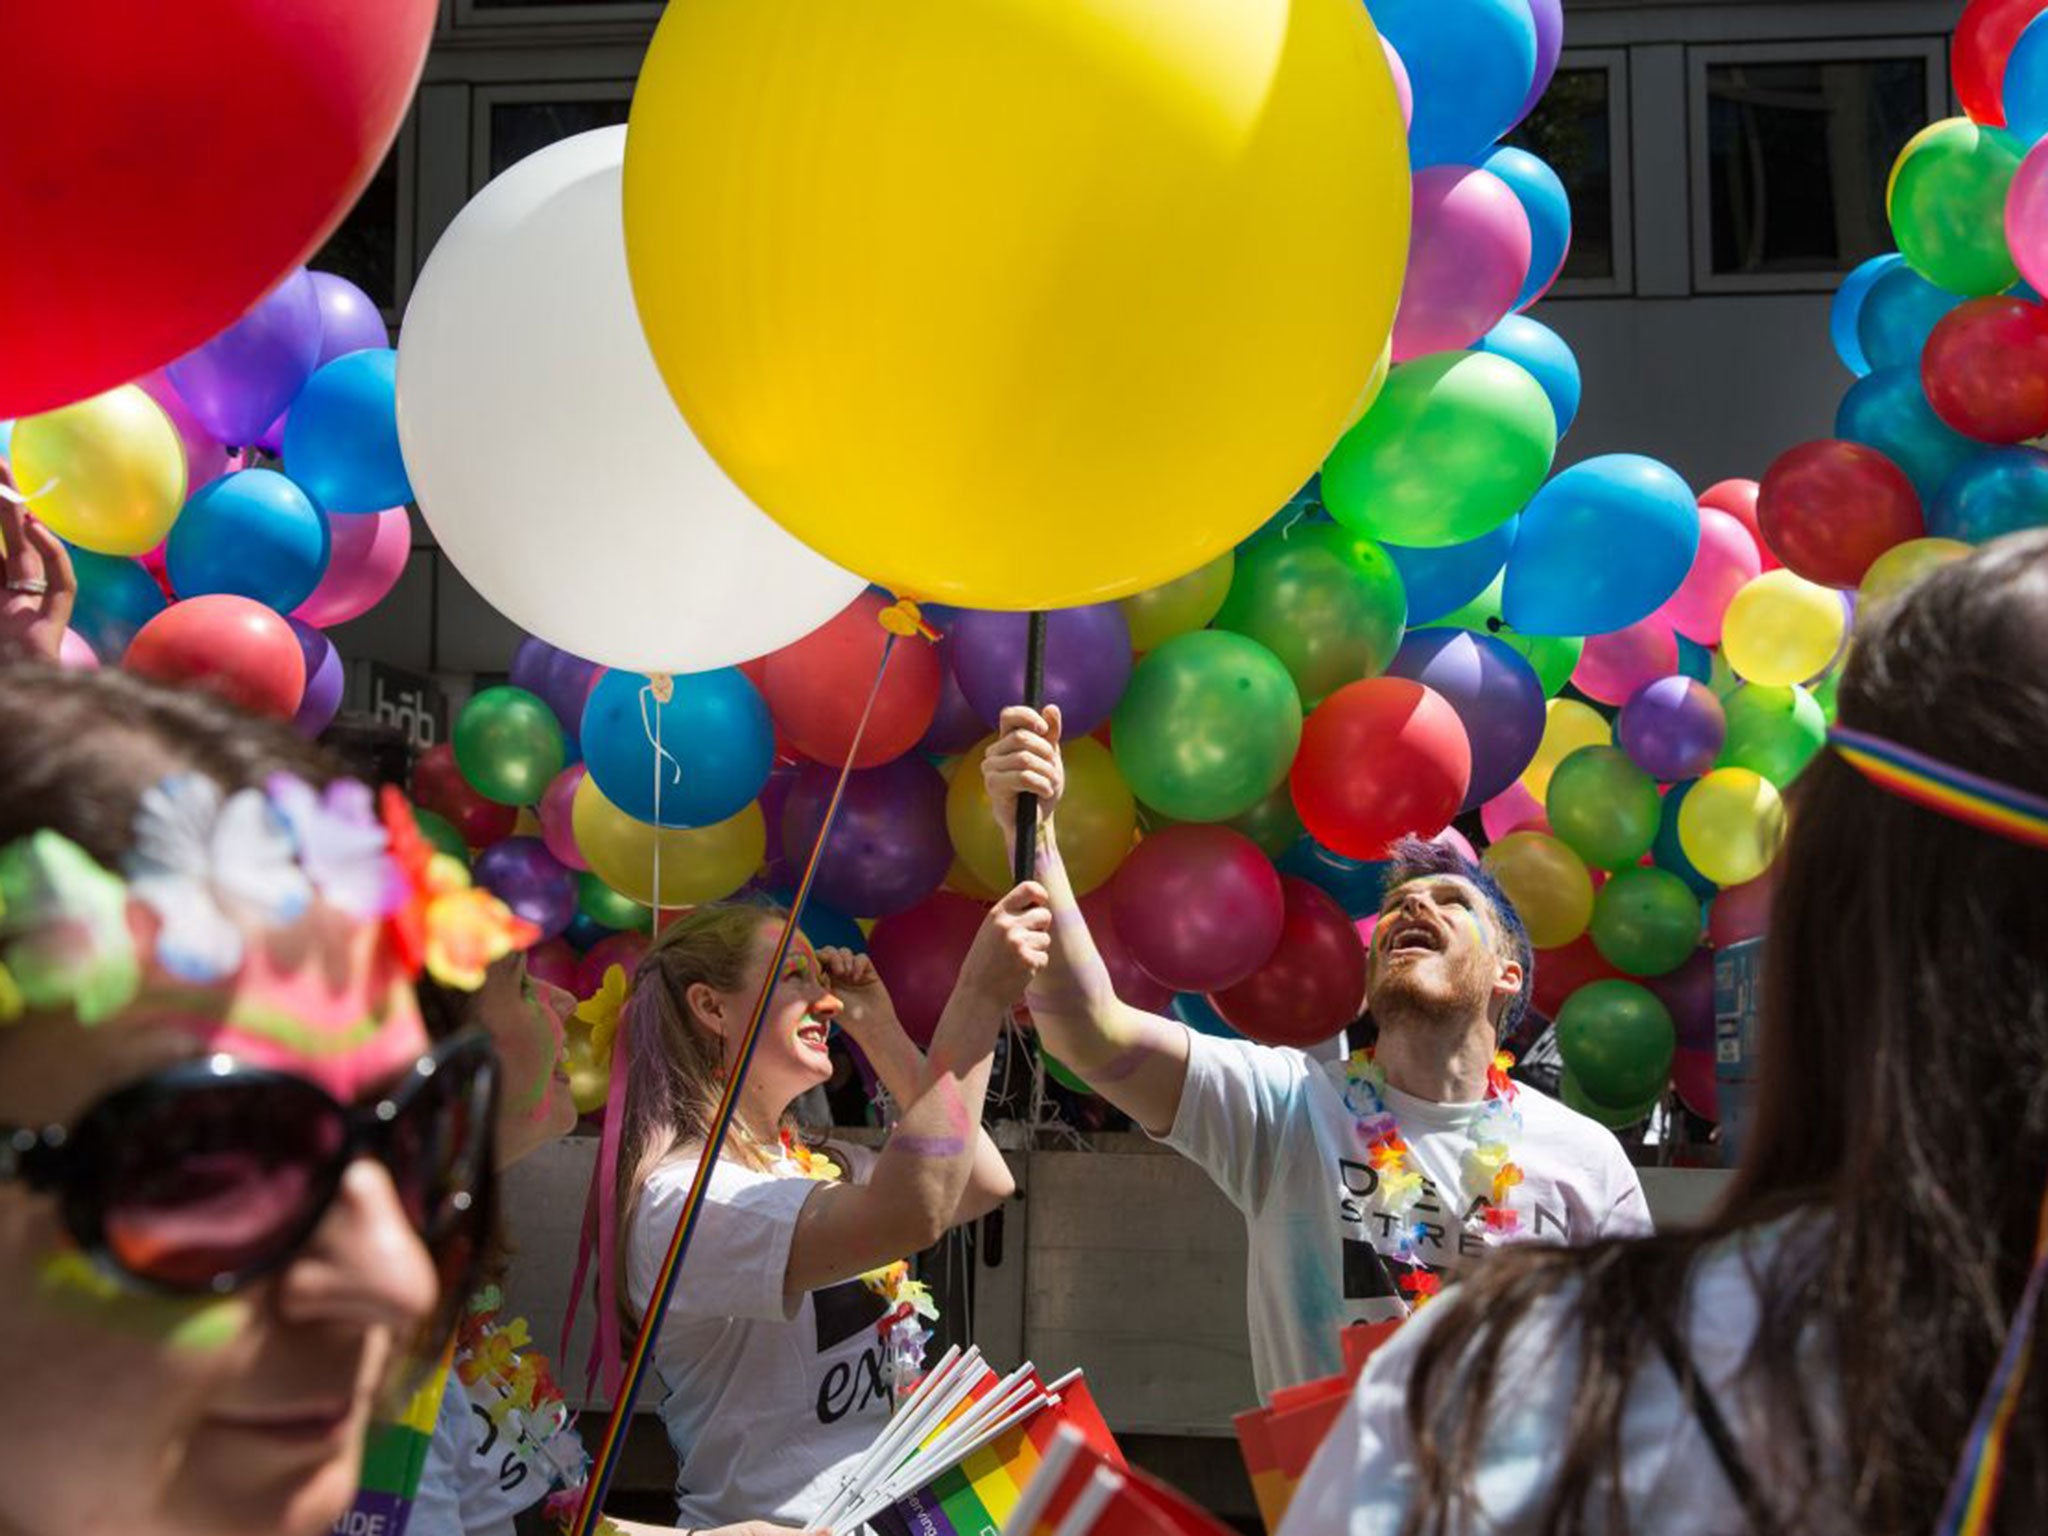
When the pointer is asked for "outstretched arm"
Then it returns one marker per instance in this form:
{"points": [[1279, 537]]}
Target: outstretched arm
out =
{"points": [[1136, 1060]]}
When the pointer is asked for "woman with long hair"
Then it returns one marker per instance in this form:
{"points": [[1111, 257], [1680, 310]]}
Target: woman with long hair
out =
{"points": [[1813, 1356], [794, 1322]]}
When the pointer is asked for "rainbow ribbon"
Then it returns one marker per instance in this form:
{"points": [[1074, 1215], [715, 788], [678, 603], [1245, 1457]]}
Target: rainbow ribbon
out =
{"points": [[1986, 804], [589, 1519]]}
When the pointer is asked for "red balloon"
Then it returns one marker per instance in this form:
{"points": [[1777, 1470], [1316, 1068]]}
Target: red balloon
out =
{"points": [[1978, 54], [1126, 975], [1199, 906], [231, 646], [1985, 369], [438, 786], [1692, 1074], [817, 687], [1738, 499], [554, 962], [621, 949], [918, 955], [1740, 912], [1561, 972], [1313, 985], [174, 162], [1379, 760], [1829, 508]]}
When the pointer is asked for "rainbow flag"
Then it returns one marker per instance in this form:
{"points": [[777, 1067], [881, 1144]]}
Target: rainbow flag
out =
{"points": [[394, 1457], [978, 1495], [1079, 1489]]}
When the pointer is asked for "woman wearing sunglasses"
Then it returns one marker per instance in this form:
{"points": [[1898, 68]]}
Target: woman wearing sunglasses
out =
{"points": [[235, 1181]]}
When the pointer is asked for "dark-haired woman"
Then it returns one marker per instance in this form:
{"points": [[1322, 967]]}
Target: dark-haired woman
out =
{"points": [[1813, 1358]]}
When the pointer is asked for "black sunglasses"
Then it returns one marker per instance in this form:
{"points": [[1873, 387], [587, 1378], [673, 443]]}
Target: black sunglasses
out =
{"points": [[203, 1177]]}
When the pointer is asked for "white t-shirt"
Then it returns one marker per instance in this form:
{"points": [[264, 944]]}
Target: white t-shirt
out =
{"points": [[766, 1402], [1272, 1128], [1362, 1481], [475, 1480]]}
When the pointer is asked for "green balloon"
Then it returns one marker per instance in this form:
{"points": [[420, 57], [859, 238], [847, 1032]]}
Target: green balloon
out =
{"points": [[1328, 602], [440, 831], [1827, 694], [1576, 1097], [1454, 446], [509, 746], [1948, 207], [1555, 657], [605, 906], [1617, 1039], [1774, 732], [1603, 807], [1273, 823], [1207, 727], [1646, 921], [1186, 603]]}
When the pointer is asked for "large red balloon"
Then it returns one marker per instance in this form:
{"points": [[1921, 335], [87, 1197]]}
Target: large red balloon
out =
{"points": [[1979, 51], [1379, 760], [1561, 972], [1830, 508], [438, 786], [1198, 906], [1738, 499], [1126, 975], [168, 164], [817, 687], [1985, 369], [918, 955], [231, 646], [1312, 986]]}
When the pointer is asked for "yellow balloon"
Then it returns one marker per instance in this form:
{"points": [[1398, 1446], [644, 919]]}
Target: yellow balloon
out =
{"points": [[589, 1082], [1184, 604], [1782, 629], [114, 468], [1548, 884], [1902, 566], [1098, 819], [699, 865], [1373, 385], [940, 282], [1567, 726], [1731, 824]]}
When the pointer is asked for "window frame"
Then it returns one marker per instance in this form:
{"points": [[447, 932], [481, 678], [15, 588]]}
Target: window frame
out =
{"points": [[483, 98], [1622, 284], [1930, 50], [468, 15]]}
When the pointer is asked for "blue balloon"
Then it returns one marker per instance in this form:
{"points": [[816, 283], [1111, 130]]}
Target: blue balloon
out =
{"points": [[251, 533], [1694, 660], [1543, 197], [2001, 491], [1200, 1015], [1898, 315], [1353, 884], [1546, 356], [1888, 411], [1667, 853], [717, 745], [1846, 313], [1471, 66], [116, 597], [2025, 91], [341, 439], [1441, 581], [584, 931], [1602, 545]]}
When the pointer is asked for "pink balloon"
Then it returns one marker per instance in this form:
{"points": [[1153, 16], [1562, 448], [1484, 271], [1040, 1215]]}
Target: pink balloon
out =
{"points": [[1467, 261], [75, 653], [1404, 89], [1614, 666], [1692, 1074], [556, 808], [369, 551], [555, 963], [1199, 906], [1728, 559], [205, 459], [1133, 986], [1458, 843], [2026, 217], [1740, 912], [1514, 809]]}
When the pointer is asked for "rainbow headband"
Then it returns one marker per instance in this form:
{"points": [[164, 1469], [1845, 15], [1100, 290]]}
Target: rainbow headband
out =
{"points": [[1970, 798]]}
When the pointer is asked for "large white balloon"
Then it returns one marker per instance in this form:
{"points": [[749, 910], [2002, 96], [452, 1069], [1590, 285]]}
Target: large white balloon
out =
{"points": [[548, 457]]}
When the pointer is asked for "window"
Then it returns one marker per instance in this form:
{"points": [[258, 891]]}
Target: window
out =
{"points": [[514, 121], [1791, 156], [1576, 129], [364, 249]]}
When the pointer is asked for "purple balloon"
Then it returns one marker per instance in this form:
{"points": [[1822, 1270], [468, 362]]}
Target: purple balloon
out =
{"points": [[1672, 728], [1688, 993], [1549, 18], [531, 881], [889, 848], [956, 725], [1495, 692], [349, 319], [777, 872], [325, 679], [1087, 662], [562, 681], [246, 377]]}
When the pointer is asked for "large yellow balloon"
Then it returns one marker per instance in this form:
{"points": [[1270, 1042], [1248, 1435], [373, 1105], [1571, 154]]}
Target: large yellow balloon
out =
{"points": [[1731, 824], [1782, 629], [1017, 303], [1547, 882], [1097, 822], [1567, 726], [699, 865], [114, 467]]}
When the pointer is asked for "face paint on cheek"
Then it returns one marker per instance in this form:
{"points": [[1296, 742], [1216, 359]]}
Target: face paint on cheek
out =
{"points": [[67, 1283]]}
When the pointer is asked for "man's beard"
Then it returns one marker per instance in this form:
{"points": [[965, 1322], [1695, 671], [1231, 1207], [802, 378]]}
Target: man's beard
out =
{"points": [[1404, 1000]]}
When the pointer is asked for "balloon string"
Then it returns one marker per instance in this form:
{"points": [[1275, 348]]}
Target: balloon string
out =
{"points": [[659, 691], [605, 1463], [9, 493]]}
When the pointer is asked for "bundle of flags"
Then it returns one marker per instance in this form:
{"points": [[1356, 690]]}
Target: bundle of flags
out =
{"points": [[1279, 1440]]}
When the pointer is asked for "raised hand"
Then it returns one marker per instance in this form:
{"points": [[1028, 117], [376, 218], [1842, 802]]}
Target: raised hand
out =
{"points": [[38, 588], [1024, 760]]}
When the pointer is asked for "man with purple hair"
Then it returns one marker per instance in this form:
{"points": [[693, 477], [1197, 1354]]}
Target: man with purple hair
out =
{"points": [[1365, 1184]]}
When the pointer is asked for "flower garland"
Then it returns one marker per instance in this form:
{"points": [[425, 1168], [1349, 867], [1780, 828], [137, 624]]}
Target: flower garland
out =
{"points": [[1488, 1169], [909, 1302]]}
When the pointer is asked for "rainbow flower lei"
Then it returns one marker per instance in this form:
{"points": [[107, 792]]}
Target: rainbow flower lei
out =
{"points": [[1488, 1169]]}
